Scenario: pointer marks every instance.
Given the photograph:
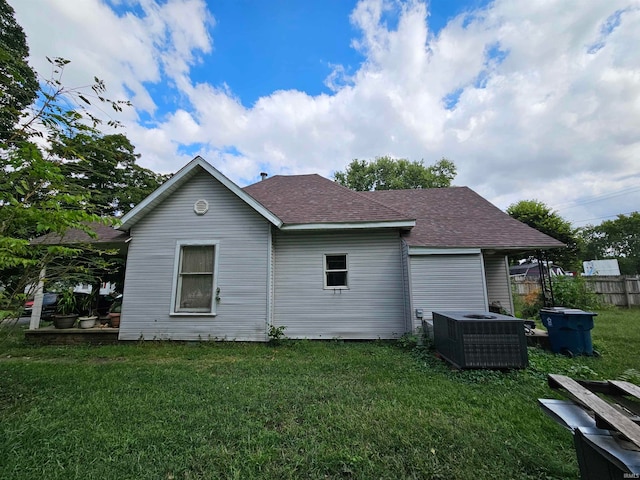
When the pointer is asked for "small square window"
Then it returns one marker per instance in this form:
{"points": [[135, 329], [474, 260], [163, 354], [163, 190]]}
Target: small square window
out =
{"points": [[335, 271]]}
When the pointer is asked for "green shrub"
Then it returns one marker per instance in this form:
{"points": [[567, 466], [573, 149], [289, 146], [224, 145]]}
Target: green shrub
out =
{"points": [[527, 306], [410, 340], [574, 292], [276, 334]]}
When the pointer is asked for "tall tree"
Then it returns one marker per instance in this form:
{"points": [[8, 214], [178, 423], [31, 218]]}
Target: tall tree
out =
{"points": [[619, 239], [539, 216], [18, 81], [35, 197], [105, 168], [386, 173]]}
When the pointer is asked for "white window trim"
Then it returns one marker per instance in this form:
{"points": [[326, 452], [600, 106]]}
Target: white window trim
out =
{"points": [[324, 271], [176, 269]]}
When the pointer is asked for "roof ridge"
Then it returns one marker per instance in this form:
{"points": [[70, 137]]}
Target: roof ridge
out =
{"points": [[417, 189], [313, 198], [361, 194], [283, 176], [371, 199]]}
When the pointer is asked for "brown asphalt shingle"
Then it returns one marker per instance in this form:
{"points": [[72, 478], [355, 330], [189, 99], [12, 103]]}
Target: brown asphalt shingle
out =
{"points": [[303, 199], [459, 217], [445, 217], [105, 234]]}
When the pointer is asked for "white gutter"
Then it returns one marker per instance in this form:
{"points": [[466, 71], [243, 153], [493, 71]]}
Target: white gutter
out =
{"points": [[349, 226]]}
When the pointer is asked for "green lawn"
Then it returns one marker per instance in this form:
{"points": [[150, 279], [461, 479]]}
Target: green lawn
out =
{"points": [[299, 410]]}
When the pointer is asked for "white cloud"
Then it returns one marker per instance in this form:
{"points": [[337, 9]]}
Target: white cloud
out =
{"points": [[544, 97], [129, 52]]}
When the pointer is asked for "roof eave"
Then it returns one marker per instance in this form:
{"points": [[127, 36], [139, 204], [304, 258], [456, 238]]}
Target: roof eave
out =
{"points": [[348, 225], [520, 248], [496, 248], [415, 250]]}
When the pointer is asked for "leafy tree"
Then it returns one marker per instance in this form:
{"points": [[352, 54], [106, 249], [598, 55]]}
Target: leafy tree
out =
{"points": [[18, 81], [539, 216], [619, 238], [104, 167], [386, 173], [35, 196]]}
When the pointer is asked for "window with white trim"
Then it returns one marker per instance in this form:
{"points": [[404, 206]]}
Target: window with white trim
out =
{"points": [[336, 271], [195, 278]]}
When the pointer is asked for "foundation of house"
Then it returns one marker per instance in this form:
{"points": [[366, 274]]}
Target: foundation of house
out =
{"points": [[72, 336]]}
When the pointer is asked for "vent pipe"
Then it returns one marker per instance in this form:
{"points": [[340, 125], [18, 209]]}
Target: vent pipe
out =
{"points": [[264, 175]]}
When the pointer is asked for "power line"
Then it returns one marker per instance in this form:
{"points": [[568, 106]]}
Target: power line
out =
{"points": [[602, 218], [597, 198]]}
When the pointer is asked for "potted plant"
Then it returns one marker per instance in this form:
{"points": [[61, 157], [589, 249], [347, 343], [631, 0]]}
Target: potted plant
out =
{"points": [[115, 312], [88, 319], [66, 315]]}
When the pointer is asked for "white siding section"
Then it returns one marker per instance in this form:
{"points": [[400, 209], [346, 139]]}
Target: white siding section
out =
{"points": [[498, 284], [447, 282], [242, 271], [373, 305]]}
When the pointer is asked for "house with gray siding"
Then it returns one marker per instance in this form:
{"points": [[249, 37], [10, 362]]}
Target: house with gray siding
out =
{"points": [[208, 260]]}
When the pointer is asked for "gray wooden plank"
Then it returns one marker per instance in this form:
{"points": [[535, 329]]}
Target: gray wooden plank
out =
{"points": [[600, 408], [627, 387]]}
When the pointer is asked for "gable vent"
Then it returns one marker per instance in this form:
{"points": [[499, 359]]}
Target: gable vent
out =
{"points": [[201, 207]]}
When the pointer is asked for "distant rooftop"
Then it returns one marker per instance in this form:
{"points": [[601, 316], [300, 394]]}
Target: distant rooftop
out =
{"points": [[104, 234]]}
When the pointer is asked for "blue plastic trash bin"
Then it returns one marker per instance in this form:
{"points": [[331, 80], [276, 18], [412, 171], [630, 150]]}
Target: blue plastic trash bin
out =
{"points": [[569, 329]]}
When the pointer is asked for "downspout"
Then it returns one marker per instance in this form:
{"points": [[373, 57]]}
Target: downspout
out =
{"points": [[270, 289]]}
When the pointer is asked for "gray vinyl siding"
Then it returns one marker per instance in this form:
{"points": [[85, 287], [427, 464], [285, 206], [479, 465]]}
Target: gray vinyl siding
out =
{"points": [[242, 267], [447, 282], [498, 284], [373, 305]]}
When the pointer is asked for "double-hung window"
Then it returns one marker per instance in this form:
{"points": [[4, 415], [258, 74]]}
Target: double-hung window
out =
{"points": [[336, 270], [195, 278]]}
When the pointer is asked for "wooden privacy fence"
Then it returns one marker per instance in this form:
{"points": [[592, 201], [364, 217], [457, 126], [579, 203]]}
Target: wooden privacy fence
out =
{"points": [[619, 290], [522, 288]]}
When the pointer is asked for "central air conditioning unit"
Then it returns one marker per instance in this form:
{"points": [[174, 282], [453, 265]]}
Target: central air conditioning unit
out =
{"points": [[480, 339]]}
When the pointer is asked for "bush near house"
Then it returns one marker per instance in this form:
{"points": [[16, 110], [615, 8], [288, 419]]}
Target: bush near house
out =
{"points": [[570, 292]]}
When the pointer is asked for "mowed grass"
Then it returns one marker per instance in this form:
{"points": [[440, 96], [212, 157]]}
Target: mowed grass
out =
{"points": [[298, 410]]}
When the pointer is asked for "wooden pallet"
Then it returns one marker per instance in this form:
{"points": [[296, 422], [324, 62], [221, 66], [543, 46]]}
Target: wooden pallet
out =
{"points": [[620, 412]]}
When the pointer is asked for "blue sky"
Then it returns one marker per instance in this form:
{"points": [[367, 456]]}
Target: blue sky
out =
{"points": [[287, 44], [283, 47], [260, 47], [529, 99]]}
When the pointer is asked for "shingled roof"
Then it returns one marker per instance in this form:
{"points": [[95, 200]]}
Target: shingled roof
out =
{"points": [[454, 217], [312, 199], [104, 235], [458, 217]]}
